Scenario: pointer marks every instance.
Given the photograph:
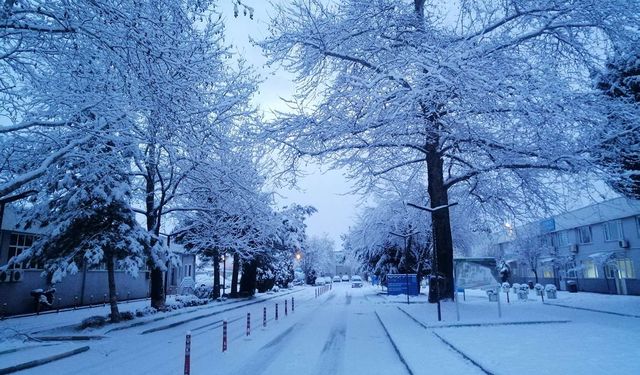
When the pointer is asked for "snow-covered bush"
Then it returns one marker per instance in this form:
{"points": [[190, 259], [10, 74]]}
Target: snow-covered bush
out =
{"points": [[148, 310], [551, 291], [523, 292], [506, 287], [93, 322], [516, 287], [186, 301], [127, 315], [539, 288], [549, 287]]}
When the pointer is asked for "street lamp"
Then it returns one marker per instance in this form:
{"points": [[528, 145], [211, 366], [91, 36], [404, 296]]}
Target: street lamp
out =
{"points": [[298, 256], [435, 249]]}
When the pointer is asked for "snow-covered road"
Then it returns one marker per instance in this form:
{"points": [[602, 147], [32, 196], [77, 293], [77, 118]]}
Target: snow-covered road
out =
{"points": [[358, 331]]}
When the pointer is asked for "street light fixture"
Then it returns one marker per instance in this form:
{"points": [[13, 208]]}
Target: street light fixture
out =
{"points": [[435, 249]]}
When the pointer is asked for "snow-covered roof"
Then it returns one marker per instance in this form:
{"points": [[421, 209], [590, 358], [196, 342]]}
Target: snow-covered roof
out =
{"points": [[612, 209], [11, 221]]}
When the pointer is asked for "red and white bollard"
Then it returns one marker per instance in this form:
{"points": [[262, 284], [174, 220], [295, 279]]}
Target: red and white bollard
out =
{"points": [[248, 324], [285, 307], [187, 354], [224, 336], [293, 306], [264, 317]]}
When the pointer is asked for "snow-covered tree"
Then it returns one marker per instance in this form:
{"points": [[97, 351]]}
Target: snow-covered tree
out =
{"points": [[483, 97], [620, 155], [318, 258], [85, 219]]}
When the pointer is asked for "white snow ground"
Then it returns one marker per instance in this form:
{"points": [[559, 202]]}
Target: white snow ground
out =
{"points": [[359, 331]]}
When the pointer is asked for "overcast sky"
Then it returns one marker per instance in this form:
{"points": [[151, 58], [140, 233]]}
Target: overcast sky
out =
{"points": [[326, 191]]}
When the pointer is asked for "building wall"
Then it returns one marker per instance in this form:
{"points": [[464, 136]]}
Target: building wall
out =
{"points": [[18, 300], [176, 274], [595, 217], [83, 288]]}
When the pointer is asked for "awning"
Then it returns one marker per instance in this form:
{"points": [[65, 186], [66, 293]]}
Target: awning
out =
{"points": [[546, 260], [603, 257]]}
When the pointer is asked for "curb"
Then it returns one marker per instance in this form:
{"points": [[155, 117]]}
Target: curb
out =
{"points": [[593, 310], [40, 362], [69, 338], [181, 322]]}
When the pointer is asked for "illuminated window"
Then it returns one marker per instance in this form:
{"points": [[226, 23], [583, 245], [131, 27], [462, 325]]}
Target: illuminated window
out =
{"points": [[548, 272], [621, 268], [589, 269]]}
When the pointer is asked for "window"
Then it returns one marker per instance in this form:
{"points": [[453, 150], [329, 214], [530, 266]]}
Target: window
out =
{"points": [[547, 272], [17, 244], [584, 234], [562, 238], [589, 269], [613, 230], [621, 268]]}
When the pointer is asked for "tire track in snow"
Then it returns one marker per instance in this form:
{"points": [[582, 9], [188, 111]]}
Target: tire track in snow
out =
{"points": [[332, 355]]}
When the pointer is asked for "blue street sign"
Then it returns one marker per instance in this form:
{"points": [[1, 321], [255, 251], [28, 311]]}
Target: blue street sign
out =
{"points": [[402, 284]]}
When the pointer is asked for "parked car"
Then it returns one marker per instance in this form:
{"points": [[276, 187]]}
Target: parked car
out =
{"points": [[356, 282], [320, 281], [345, 278], [336, 279]]}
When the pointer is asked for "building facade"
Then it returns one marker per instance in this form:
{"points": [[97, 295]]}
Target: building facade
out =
{"points": [[596, 247], [87, 287]]}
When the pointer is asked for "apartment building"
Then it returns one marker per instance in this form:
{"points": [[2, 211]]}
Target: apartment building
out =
{"points": [[597, 247]]}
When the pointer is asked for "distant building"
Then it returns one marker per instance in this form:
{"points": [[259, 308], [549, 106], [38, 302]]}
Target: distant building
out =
{"points": [[597, 247], [87, 287]]}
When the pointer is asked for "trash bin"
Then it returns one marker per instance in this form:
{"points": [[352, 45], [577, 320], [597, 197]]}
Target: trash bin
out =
{"points": [[572, 286], [493, 296]]}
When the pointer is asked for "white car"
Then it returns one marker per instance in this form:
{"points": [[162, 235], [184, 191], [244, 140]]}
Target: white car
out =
{"points": [[336, 279], [345, 278], [356, 282], [320, 281]]}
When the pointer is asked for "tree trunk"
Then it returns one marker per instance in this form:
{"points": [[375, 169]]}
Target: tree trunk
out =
{"points": [[441, 225], [215, 293], [158, 297], [234, 276], [249, 278], [113, 299]]}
